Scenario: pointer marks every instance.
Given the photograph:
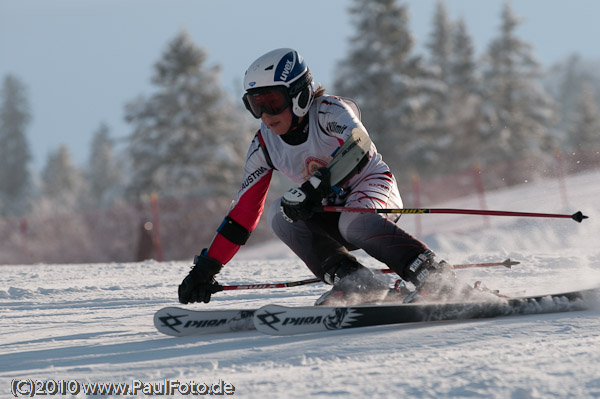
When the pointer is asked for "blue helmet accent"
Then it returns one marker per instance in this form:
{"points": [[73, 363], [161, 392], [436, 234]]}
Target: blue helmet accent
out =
{"points": [[290, 67]]}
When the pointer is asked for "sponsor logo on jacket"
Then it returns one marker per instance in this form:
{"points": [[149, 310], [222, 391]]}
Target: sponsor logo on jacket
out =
{"points": [[333, 127], [252, 177], [313, 164]]}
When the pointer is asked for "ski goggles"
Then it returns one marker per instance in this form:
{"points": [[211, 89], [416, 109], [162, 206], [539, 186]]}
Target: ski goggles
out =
{"points": [[270, 100]]}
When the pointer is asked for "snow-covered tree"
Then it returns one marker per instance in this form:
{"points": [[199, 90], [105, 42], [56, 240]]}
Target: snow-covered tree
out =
{"points": [[566, 81], [63, 183], [440, 44], [185, 139], [463, 66], [464, 113], [451, 142], [585, 127], [518, 111], [392, 87], [15, 179], [103, 174]]}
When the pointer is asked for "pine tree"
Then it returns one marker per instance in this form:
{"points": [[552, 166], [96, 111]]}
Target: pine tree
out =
{"points": [[391, 85], [566, 81], [103, 172], [440, 43], [15, 179], [585, 127], [518, 111], [63, 183], [465, 110], [185, 139], [463, 67]]}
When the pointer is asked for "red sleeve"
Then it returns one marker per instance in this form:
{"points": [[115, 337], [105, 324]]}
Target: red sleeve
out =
{"points": [[246, 212], [250, 203]]}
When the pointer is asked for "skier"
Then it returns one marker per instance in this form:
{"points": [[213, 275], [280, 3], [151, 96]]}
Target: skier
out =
{"points": [[301, 128]]}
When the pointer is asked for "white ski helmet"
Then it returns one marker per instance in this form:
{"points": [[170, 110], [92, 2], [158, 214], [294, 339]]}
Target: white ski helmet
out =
{"points": [[277, 80]]}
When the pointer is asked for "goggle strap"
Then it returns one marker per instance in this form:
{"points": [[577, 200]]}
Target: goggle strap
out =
{"points": [[300, 84]]}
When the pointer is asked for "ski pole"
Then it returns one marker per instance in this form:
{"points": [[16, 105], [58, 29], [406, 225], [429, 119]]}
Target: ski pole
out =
{"points": [[507, 263], [268, 286], [577, 216]]}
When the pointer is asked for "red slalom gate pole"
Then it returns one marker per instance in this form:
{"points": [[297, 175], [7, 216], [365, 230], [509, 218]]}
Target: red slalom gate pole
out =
{"points": [[416, 182], [156, 227], [577, 216], [480, 192], [507, 263], [561, 177]]}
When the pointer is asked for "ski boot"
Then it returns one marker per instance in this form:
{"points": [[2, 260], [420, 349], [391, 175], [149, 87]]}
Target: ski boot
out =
{"points": [[433, 281], [398, 293], [352, 282], [481, 287]]}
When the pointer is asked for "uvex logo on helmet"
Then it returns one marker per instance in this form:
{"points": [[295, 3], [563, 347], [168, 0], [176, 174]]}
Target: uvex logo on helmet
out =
{"points": [[286, 70], [286, 65]]}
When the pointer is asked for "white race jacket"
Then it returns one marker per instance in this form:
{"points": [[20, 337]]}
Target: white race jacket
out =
{"points": [[331, 120]]}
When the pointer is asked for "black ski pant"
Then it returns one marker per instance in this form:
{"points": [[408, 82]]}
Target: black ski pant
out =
{"points": [[326, 234]]}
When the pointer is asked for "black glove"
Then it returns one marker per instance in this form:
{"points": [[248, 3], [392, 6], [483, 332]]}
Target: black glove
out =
{"points": [[200, 283], [300, 203]]}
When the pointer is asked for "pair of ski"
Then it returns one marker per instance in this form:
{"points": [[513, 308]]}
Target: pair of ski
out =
{"points": [[180, 322], [283, 320]]}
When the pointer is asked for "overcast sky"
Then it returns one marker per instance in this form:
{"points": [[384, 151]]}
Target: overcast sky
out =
{"points": [[82, 60]]}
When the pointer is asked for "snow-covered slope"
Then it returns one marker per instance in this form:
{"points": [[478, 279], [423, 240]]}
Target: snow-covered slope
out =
{"points": [[93, 323]]}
